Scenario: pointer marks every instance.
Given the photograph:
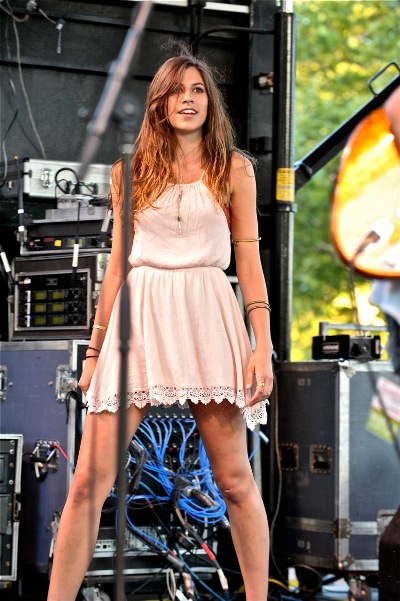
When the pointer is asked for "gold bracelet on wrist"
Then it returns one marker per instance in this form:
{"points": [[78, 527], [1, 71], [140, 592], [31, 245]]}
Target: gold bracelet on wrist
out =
{"points": [[96, 326], [257, 304], [236, 241], [261, 303], [258, 307]]}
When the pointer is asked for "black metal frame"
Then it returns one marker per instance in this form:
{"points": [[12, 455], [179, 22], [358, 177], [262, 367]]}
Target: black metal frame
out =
{"points": [[308, 166]]}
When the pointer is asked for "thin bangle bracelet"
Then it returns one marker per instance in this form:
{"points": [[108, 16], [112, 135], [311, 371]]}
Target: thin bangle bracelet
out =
{"points": [[236, 241], [258, 307], [91, 357], [256, 302], [97, 327], [93, 349]]}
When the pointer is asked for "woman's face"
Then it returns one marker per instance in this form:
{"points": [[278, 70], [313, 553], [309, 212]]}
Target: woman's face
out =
{"points": [[187, 106]]}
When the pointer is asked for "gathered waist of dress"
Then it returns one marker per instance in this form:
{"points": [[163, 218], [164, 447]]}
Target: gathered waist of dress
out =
{"points": [[183, 268]]}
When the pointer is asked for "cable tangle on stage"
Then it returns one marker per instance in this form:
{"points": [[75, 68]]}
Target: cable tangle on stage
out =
{"points": [[173, 510]]}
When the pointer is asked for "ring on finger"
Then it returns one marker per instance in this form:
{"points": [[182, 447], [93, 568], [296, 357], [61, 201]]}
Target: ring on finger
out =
{"points": [[261, 384]]}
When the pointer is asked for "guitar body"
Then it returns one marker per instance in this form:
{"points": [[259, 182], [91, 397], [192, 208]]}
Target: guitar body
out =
{"points": [[367, 193]]}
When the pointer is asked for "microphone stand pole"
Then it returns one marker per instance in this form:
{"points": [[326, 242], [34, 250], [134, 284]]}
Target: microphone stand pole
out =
{"points": [[118, 73], [126, 116], [124, 335]]}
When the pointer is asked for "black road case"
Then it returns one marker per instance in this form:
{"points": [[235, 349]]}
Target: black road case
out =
{"points": [[340, 481], [29, 407]]}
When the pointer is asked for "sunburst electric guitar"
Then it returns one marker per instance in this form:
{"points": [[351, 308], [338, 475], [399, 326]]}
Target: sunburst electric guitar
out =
{"points": [[365, 218]]}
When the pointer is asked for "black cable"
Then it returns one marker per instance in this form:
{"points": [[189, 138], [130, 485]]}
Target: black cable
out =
{"points": [[72, 394], [3, 179], [158, 548], [140, 458], [224, 28], [145, 583], [352, 294], [21, 125], [201, 543], [92, 188], [58, 182]]}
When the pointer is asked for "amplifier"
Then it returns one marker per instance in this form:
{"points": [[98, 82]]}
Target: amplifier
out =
{"points": [[50, 301], [344, 346], [58, 236]]}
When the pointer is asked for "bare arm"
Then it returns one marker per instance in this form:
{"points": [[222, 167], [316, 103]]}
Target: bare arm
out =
{"points": [[250, 273], [110, 286]]}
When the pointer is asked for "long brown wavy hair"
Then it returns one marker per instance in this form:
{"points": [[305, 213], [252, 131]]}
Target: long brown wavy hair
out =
{"points": [[155, 149]]}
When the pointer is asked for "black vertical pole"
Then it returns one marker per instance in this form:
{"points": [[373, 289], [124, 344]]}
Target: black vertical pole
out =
{"points": [[124, 335], [282, 180]]}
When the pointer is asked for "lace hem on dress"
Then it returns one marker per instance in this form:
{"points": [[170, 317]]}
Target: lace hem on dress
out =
{"points": [[164, 395]]}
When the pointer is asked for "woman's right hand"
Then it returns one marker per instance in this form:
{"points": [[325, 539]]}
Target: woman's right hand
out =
{"points": [[87, 373]]}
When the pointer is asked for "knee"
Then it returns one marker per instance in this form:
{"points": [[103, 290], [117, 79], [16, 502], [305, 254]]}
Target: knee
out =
{"points": [[235, 488], [87, 488], [80, 489]]}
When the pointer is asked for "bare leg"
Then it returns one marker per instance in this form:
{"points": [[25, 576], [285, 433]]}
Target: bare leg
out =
{"points": [[223, 432], [94, 477]]}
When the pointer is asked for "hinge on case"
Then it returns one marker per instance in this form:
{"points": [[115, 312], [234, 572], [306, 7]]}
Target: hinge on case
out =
{"points": [[47, 177], [320, 459], [289, 456], [3, 382], [345, 563], [341, 528], [16, 507]]}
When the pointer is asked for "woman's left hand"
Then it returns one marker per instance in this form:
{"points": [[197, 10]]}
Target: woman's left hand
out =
{"points": [[260, 369]]}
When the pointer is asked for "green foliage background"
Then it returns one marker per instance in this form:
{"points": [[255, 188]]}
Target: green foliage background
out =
{"points": [[340, 45]]}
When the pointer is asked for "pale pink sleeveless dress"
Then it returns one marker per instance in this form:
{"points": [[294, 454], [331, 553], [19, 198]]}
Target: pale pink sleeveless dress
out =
{"points": [[188, 338]]}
